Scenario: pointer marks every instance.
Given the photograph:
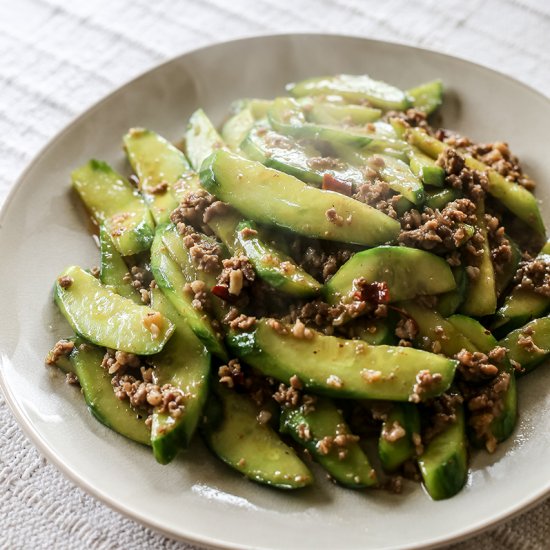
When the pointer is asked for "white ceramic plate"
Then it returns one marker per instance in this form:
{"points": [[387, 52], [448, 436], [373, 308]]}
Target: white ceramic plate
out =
{"points": [[196, 498]]}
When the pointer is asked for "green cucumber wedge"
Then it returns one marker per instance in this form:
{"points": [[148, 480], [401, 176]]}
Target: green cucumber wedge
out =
{"points": [[394, 452], [441, 197], [286, 117], [235, 130], [172, 282], [268, 196], [184, 363], [158, 165], [113, 202], [98, 392], [341, 115], [310, 427], [425, 168], [104, 318], [201, 139], [427, 97], [234, 435], [408, 272], [114, 269], [444, 463], [340, 368], [529, 357], [354, 88]]}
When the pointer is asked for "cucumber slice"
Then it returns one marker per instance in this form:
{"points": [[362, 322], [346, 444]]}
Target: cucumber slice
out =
{"points": [[107, 319], [171, 280], [325, 421], [433, 327], [426, 169], [113, 202], [114, 268], [539, 331], [444, 463], [376, 332], [188, 182], [475, 332], [158, 165], [481, 296], [355, 88], [268, 196], [449, 302], [234, 435], [337, 115], [277, 269], [441, 197], [98, 392], [394, 453], [236, 129], [286, 117], [201, 139], [427, 97], [340, 368], [183, 363], [408, 272]]}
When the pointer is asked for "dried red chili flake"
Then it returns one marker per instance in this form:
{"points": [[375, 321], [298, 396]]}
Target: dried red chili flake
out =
{"points": [[374, 293], [222, 291], [330, 183]]}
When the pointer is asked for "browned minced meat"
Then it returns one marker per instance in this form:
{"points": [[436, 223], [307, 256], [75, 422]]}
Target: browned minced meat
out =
{"points": [[325, 163], [339, 442], [192, 208], [535, 275], [217, 208], [438, 230], [377, 193], [406, 329], [115, 361], [237, 320], [525, 340], [144, 394], [206, 253], [200, 295], [61, 348], [498, 156], [291, 396], [472, 254], [477, 366], [442, 412], [412, 117], [472, 183], [65, 281], [393, 432], [485, 403], [237, 273], [95, 271], [72, 378], [231, 375], [140, 278], [159, 189], [425, 383], [501, 250]]}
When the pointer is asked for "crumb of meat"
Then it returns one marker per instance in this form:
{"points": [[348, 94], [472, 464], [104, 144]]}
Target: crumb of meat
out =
{"points": [[144, 394], [535, 275], [498, 156], [206, 253], [335, 381], [412, 117], [525, 340], [438, 230], [425, 383], [393, 432], [153, 322], [320, 263], [476, 366], [72, 378], [371, 376], [62, 348], [248, 232], [417, 442], [138, 277], [300, 331], [333, 217], [217, 208], [159, 189], [406, 329], [441, 412], [291, 396], [236, 320], [472, 183], [115, 361], [304, 433], [200, 295], [263, 417], [95, 271], [192, 208], [237, 273], [65, 281], [377, 193], [472, 254], [339, 442], [501, 250], [231, 375], [325, 163], [485, 403]]}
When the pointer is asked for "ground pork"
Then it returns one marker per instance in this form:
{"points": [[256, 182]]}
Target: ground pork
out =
{"points": [[292, 396], [501, 249], [412, 117], [192, 208], [237, 273], [62, 348], [339, 442], [205, 251], [377, 193], [236, 320], [438, 231], [319, 263], [535, 275], [115, 361], [425, 383], [441, 412], [477, 366]]}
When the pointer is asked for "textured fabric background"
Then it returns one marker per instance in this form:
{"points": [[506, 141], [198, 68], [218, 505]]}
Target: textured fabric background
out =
{"points": [[57, 58]]}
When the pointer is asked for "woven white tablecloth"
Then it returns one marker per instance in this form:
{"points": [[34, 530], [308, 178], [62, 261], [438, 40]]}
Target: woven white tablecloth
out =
{"points": [[59, 57]]}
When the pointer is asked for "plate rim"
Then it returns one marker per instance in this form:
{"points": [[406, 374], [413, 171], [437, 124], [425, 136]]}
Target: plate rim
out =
{"points": [[36, 438]]}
